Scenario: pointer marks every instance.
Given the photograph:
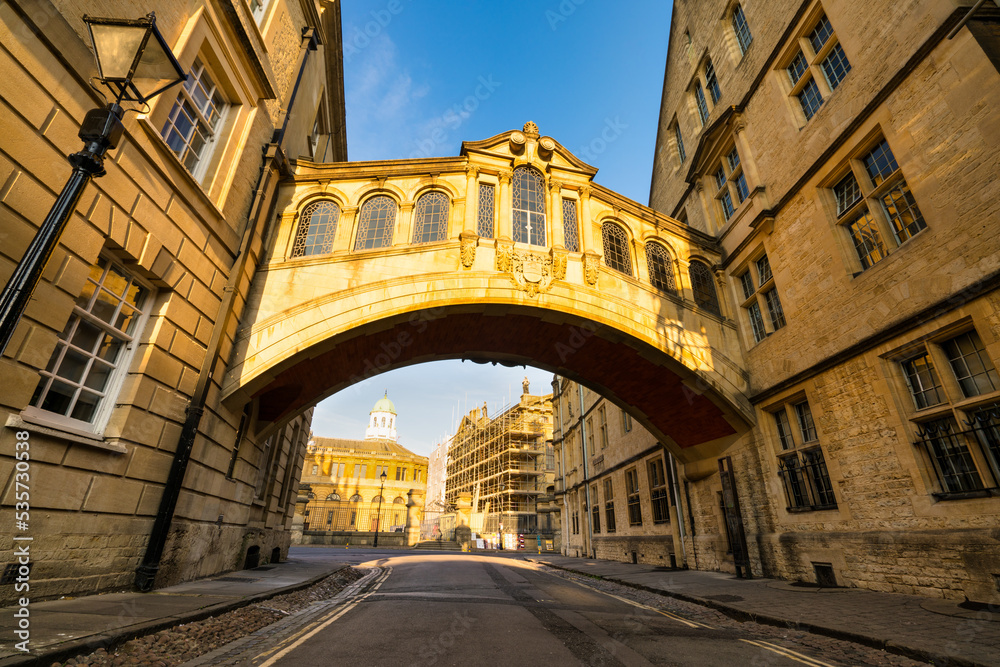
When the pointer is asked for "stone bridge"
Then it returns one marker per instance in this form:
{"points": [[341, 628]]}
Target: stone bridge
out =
{"points": [[508, 253]]}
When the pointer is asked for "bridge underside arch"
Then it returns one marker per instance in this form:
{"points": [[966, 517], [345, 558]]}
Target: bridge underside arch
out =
{"points": [[686, 410]]}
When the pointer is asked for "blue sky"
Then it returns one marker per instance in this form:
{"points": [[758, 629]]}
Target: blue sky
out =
{"points": [[421, 77]]}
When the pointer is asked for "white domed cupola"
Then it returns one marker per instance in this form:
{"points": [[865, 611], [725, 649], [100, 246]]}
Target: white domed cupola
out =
{"points": [[382, 420]]}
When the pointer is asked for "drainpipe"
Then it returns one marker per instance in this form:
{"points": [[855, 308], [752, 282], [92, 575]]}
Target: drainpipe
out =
{"points": [[677, 507], [557, 394], [145, 574], [586, 476]]}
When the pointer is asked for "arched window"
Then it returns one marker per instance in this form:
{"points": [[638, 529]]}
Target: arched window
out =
{"points": [[661, 269], [704, 290], [399, 501], [377, 499], [430, 220], [317, 228], [383, 422], [616, 254], [378, 217], [333, 496], [355, 498], [529, 206]]}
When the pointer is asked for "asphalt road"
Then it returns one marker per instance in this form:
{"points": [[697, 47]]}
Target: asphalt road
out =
{"points": [[442, 609]]}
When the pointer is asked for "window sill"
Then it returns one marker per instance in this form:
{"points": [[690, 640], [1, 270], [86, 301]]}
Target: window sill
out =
{"points": [[962, 495], [810, 508], [37, 421]]}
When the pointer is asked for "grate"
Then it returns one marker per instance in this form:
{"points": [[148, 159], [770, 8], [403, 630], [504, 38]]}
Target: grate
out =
{"points": [[11, 571], [824, 575]]}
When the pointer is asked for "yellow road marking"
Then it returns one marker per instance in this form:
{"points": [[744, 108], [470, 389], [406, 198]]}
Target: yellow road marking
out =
{"points": [[675, 617], [303, 637], [788, 653]]}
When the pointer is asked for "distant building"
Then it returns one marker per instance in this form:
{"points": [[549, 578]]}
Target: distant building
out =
{"points": [[505, 464], [342, 479]]}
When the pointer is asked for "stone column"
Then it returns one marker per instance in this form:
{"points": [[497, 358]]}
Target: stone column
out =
{"points": [[555, 215], [463, 532], [299, 516], [505, 228], [414, 505], [586, 224], [471, 200], [345, 228], [404, 226]]}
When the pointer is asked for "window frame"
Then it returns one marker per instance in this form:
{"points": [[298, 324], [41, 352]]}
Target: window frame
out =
{"points": [[127, 340], [970, 440], [423, 218], [526, 236], [801, 462], [872, 242], [757, 293], [632, 498], [802, 70], [571, 239], [624, 254], [361, 231], [609, 506], [659, 496], [737, 11], [304, 228]]}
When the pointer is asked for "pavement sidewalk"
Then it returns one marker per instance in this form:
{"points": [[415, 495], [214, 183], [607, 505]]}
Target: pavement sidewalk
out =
{"points": [[63, 628], [928, 629]]}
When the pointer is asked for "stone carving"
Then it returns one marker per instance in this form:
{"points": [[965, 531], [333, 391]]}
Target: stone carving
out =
{"points": [[591, 263], [505, 252], [531, 272], [530, 128], [469, 243], [559, 263]]}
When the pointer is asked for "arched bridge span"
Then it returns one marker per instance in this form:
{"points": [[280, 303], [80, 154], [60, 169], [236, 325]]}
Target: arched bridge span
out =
{"points": [[622, 300]]}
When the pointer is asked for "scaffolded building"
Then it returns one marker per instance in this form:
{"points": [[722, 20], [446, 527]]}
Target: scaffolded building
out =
{"points": [[505, 464]]}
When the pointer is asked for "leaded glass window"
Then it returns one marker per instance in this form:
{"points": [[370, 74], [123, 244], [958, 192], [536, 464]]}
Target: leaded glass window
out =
{"points": [[810, 98], [923, 381], [784, 429], [571, 230], [529, 206], [94, 347], [616, 253], [742, 29], [712, 81], [430, 218], [699, 97], [317, 229], [774, 309], [835, 66], [195, 117], [867, 240], [680, 143], [806, 426], [376, 223], [487, 205], [702, 285], [847, 192], [661, 272], [972, 366], [756, 322]]}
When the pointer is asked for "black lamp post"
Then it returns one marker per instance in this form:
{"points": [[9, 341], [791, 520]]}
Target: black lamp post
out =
{"points": [[378, 512], [135, 68]]}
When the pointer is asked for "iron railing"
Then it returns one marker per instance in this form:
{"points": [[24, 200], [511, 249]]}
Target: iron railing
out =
{"points": [[807, 481]]}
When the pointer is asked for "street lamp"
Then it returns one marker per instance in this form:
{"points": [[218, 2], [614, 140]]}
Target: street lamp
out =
{"points": [[378, 512], [135, 68]]}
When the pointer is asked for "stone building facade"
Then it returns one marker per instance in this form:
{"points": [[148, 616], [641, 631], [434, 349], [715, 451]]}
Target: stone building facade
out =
{"points": [[843, 154], [342, 480], [614, 489], [120, 353]]}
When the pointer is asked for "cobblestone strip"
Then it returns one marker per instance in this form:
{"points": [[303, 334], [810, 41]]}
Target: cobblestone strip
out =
{"points": [[243, 651]]}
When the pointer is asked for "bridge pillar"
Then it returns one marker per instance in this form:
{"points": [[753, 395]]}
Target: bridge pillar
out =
{"points": [[505, 223]]}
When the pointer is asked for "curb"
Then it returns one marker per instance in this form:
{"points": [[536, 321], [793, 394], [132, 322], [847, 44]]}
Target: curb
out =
{"points": [[118, 636], [742, 615]]}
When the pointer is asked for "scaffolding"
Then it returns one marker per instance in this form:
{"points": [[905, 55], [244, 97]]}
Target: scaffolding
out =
{"points": [[504, 463]]}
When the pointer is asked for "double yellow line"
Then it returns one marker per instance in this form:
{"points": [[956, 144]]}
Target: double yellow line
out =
{"points": [[310, 630]]}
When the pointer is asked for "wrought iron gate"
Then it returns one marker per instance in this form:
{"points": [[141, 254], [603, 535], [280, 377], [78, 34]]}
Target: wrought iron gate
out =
{"points": [[734, 518]]}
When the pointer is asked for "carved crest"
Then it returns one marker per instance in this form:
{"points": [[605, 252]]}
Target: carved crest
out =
{"points": [[591, 262], [559, 264], [531, 272]]}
